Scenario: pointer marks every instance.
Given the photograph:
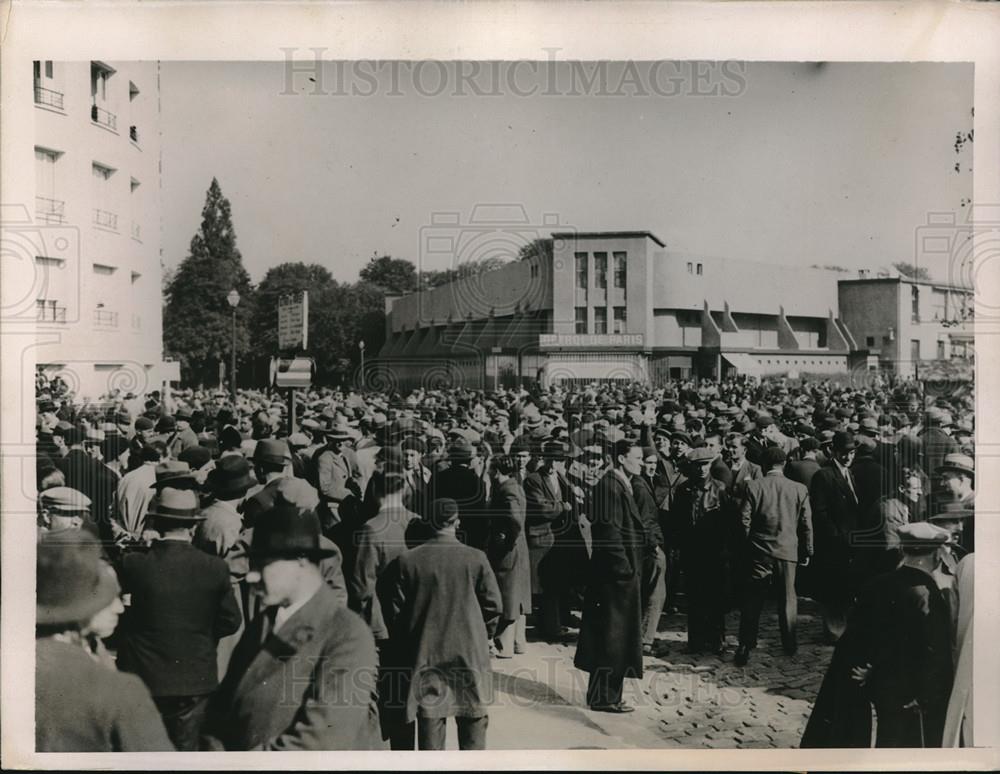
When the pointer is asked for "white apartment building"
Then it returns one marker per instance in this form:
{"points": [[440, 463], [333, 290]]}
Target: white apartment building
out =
{"points": [[97, 213]]}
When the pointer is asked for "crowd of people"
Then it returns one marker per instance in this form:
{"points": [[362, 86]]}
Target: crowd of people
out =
{"points": [[214, 576]]}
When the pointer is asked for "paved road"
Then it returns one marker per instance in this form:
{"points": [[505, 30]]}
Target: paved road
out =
{"points": [[682, 701]]}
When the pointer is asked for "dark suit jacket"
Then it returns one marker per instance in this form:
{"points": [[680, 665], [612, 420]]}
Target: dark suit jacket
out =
{"points": [[801, 471], [777, 519], [460, 483], [182, 604], [94, 479], [309, 686], [83, 706], [834, 508], [649, 513]]}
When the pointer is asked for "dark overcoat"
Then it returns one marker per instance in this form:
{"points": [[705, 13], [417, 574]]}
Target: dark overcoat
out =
{"points": [[446, 605], [463, 485], [182, 604], [308, 686], [556, 542], [832, 578], [610, 632], [508, 548], [83, 706]]}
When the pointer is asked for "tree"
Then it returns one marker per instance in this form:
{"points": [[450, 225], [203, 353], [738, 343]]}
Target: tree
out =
{"points": [[281, 280], [346, 315], [393, 275], [912, 270], [537, 248], [434, 279], [197, 320]]}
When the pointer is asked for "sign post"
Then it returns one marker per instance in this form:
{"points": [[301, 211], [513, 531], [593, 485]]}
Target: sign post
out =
{"points": [[293, 337]]}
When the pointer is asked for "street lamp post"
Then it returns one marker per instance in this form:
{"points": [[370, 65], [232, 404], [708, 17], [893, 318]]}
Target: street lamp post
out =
{"points": [[234, 300], [361, 346]]}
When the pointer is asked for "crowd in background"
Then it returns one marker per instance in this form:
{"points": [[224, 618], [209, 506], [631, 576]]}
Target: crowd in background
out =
{"points": [[344, 581]]}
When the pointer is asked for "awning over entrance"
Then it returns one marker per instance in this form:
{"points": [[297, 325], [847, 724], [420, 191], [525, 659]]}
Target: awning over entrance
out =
{"points": [[743, 363]]}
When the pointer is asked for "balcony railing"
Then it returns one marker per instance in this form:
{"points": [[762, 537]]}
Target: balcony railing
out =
{"points": [[133, 134], [51, 313], [106, 219], [106, 318], [48, 97], [50, 211], [136, 232], [103, 117]]}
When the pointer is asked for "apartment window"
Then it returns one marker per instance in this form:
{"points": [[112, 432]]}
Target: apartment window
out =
{"points": [[940, 349], [49, 310], [100, 75], [581, 270], [690, 268], [581, 319], [600, 320], [870, 341], [699, 269], [914, 350], [914, 303], [620, 263], [44, 260], [104, 270], [620, 319], [600, 270], [49, 208], [886, 340], [44, 82], [103, 216], [136, 231]]}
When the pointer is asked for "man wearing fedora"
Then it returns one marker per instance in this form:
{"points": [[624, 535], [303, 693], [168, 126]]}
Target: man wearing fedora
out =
{"points": [[459, 482], [958, 477], [303, 675], [336, 474], [220, 534], [181, 605], [834, 499], [272, 461], [81, 703], [446, 605]]}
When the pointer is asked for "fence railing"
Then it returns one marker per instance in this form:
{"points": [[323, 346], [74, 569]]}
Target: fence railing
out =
{"points": [[49, 313], [50, 211], [49, 97], [103, 117], [106, 219], [106, 318]]}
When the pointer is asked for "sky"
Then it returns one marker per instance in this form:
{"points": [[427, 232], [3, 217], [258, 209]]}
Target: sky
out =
{"points": [[787, 163]]}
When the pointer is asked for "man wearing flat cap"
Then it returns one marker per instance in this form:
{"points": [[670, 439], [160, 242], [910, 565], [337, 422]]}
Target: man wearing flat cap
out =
{"points": [[182, 604], [895, 655], [303, 675], [704, 518], [82, 704], [63, 509]]}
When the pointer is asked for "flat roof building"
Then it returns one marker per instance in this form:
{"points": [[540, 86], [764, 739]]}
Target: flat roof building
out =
{"points": [[619, 306]]}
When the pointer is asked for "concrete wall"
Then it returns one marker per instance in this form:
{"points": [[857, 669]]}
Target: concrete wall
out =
{"points": [[515, 285], [749, 287], [125, 244]]}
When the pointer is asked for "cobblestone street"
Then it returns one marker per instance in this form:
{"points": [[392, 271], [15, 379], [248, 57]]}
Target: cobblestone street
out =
{"points": [[682, 701]]}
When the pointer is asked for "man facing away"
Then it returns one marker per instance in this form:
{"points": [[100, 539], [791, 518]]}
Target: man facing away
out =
{"points": [[446, 605], [777, 522]]}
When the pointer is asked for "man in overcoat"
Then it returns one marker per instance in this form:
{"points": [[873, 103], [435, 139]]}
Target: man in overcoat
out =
{"points": [[182, 604], [459, 482], [446, 606], [704, 518], [834, 500], [303, 675], [610, 645], [507, 550], [555, 541]]}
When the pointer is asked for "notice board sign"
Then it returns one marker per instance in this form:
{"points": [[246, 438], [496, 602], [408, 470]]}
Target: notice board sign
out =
{"points": [[293, 321]]}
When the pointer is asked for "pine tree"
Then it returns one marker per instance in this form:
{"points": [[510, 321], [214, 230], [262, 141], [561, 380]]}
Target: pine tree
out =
{"points": [[197, 319]]}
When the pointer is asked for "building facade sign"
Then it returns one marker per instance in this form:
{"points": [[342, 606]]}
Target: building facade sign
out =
{"points": [[630, 340]]}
